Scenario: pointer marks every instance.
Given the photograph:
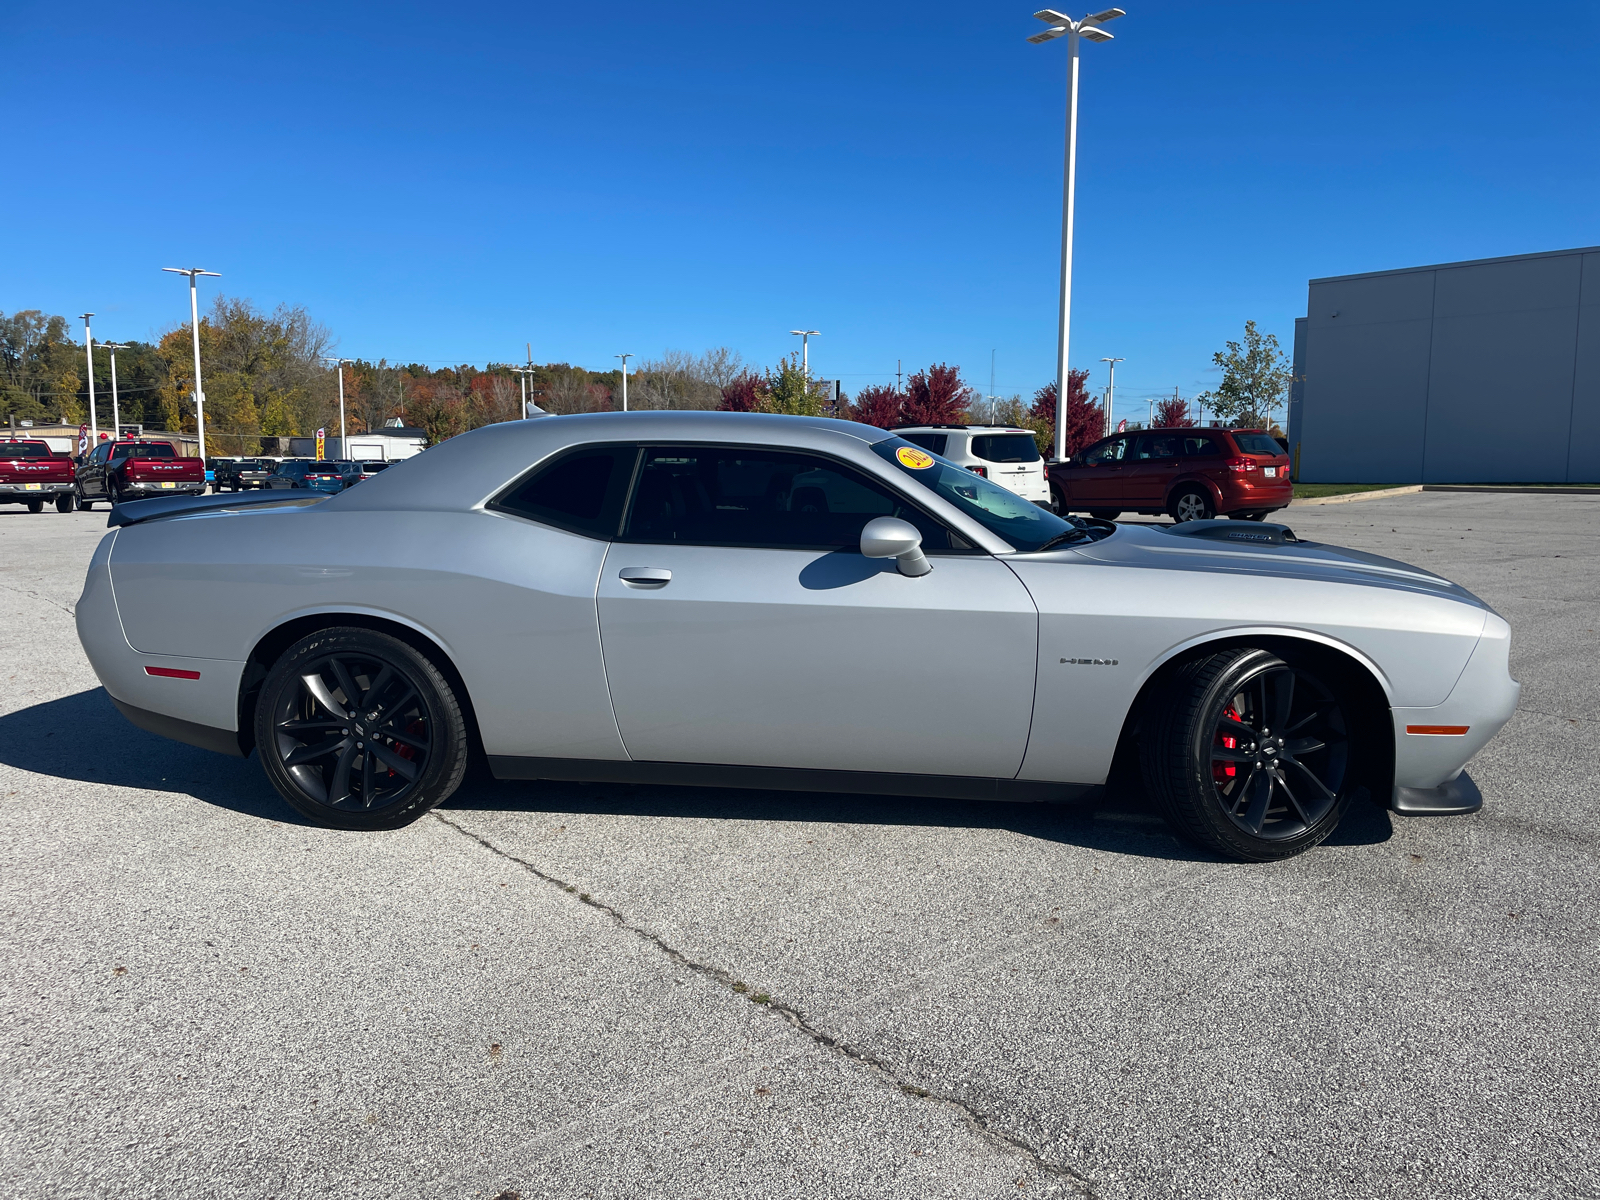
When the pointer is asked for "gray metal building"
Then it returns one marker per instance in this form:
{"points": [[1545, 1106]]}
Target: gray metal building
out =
{"points": [[1472, 372]]}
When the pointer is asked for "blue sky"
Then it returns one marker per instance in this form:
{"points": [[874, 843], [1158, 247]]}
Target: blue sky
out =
{"points": [[447, 182]]}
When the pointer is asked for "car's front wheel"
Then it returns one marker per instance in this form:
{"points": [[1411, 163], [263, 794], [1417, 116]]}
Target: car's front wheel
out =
{"points": [[1248, 755], [1192, 504], [358, 730], [84, 502]]}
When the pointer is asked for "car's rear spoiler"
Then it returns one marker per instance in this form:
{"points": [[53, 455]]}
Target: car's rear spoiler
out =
{"points": [[1260, 533], [134, 511]]}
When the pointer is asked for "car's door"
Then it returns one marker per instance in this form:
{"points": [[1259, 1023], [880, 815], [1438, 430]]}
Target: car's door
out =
{"points": [[1097, 474], [1152, 466], [741, 624], [94, 482]]}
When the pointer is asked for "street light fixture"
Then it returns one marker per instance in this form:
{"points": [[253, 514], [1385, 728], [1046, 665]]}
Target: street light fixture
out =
{"points": [[1111, 389], [116, 409], [1088, 27], [88, 350], [624, 358], [805, 336], [194, 325]]}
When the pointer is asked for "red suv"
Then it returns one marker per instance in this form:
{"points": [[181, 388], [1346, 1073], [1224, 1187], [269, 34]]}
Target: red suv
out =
{"points": [[1189, 474]]}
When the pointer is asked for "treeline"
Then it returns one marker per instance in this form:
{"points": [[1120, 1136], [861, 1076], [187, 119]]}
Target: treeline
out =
{"points": [[271, 374]]}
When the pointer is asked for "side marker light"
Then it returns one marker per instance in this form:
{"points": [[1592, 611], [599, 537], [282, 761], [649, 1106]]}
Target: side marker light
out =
{"points": [[171, 673], [1438, 730]]}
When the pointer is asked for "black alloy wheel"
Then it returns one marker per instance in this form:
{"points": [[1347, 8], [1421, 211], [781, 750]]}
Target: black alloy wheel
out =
{"points": [[1192, 504], [64, 502], [358, 730], [1249, 755]]}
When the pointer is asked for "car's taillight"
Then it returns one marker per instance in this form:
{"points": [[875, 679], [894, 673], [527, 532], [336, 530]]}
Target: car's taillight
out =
{"points": [[984, 471], [1241, 464]]}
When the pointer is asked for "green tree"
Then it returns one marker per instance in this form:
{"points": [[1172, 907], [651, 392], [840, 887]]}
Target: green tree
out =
{"points": [[790, 393], [1255, 377]]}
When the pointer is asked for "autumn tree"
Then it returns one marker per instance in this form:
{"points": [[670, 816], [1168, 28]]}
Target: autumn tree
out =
{"points": [[1173, 414], [937, 396], [744, 393], [1085, 418], [1255, 377], [878, 404]]}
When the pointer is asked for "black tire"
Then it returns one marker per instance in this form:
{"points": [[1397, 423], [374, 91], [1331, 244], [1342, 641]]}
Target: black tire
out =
{"points": [[84, 502], [1191, 504], [1273, 793], [64, 502], [1105, 514], [1058, 502], [319, 756], [35, 505], [1249, 516]]}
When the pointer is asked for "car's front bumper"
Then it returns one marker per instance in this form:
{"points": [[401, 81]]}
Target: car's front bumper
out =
{"points": [[1432, 745]]}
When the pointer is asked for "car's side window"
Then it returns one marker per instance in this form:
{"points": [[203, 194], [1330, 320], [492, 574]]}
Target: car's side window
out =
{"points": [[102, 452], [1198, 446], [582, 491], [779, 499], [1106, 453], [933, 443], [1157, 446]]}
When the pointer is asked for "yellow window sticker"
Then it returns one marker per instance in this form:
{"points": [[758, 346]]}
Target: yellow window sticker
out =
{"points": [[917, 460]]}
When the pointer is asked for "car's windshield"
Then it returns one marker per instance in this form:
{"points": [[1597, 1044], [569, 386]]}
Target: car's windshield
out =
{"points": [[24, 450], [1021, 522]]}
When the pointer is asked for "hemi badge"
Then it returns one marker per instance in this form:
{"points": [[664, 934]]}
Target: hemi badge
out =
{"points": [[171, 673], [1438, 730]]}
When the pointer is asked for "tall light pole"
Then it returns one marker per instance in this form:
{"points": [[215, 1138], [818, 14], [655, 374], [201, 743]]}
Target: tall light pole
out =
{"points": [[624, 358], [1111, 389], [194, 325], [338, 365], [116, 409], [1089, 27], [805, 336], [522, 374], [88, 350]]}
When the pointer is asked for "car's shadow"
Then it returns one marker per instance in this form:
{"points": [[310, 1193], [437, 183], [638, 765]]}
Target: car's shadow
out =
{"points": [[82, 737]]}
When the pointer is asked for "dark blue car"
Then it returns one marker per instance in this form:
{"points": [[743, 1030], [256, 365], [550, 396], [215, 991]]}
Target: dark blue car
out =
{"points": [[325, 476]]}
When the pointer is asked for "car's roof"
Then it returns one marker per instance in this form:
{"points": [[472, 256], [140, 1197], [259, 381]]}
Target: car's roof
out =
{"points": [[972, 428], [464, 470]]}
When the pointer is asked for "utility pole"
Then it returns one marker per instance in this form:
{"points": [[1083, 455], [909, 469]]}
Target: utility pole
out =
{"points": [[624, 358], [992, 396], [805, 336], [1150, 422], [527, 380], [1088, 27], [338, 365], [1111, 389], [88, 350], [898, 389], [194, 326], [116, 408]]}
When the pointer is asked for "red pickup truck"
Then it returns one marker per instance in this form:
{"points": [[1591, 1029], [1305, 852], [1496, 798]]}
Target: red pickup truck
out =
{"points": [[30, 474], [118, 471]]}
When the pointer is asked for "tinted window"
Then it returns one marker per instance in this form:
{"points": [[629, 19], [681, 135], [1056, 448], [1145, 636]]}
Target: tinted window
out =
{"points": [[1257, 443], [1157, 446], [735, 496], [934, 443], [1005, 447], [1025, 525], [292, 470], [24, 450], [144, 450], [1197, 445], [582, 492], [1106, 452], [102, 452]]}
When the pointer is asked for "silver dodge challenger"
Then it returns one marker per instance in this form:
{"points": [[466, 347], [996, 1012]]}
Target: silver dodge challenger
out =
{"points": [[731, 599]]}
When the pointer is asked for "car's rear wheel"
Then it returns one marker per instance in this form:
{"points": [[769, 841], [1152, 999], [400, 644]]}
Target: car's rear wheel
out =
{"points": [[1248, 755], [64, 502], [35, 505], [1105, 514], [358, 730], [1192, 504], [1250, 516]]}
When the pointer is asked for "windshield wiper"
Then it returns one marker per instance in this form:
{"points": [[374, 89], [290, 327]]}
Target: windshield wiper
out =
{"points": [[1070, 535]]}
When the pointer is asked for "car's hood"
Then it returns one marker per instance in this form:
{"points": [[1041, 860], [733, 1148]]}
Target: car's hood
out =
{"points": [[1155, 546]]}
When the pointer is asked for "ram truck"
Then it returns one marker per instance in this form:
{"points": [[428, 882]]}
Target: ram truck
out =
{"points": [[134, 470], [30, 474]]}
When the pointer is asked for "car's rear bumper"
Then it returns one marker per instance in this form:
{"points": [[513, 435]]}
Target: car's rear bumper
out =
{"points": [[1265, 497], [185, 488], [17, 491]]}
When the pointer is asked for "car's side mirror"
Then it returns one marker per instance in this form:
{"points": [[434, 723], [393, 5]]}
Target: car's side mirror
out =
{"points": [[890, 537]]}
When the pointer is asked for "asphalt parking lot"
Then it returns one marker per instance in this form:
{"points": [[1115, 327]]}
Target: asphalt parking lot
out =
{"points": [[592, 990]]}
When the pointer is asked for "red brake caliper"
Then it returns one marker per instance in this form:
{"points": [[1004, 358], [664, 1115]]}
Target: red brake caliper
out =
{"points": [[403, 750], [1221, 772]]}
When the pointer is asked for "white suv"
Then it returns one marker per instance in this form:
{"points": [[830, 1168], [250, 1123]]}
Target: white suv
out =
{"points": [[1003, 454]]}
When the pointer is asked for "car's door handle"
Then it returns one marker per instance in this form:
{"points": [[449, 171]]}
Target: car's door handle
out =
{"points": [[645, 577]]}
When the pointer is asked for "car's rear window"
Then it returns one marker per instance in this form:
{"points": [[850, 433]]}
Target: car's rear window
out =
{"points": [[144, 450], [373, 468], [1005, 447], [24, 450], [1257, 443], [934, 443]]}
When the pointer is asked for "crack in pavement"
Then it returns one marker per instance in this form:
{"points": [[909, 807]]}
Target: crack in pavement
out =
{"points": [[66, 608], [975, 1120]]}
